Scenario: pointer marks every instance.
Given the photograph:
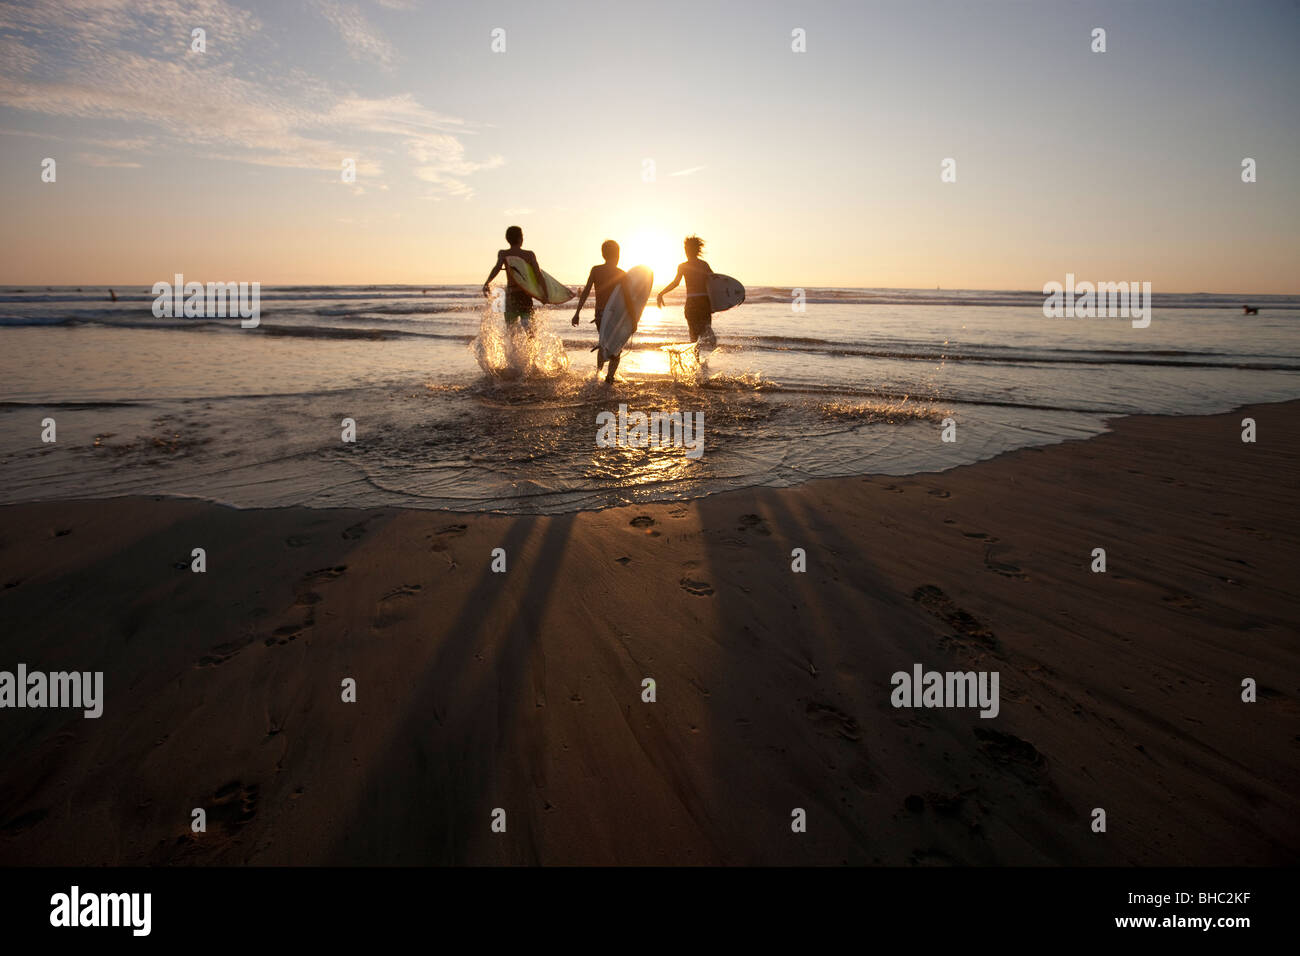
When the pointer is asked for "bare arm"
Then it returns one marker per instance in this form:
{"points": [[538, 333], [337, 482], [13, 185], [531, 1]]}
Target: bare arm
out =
{"points": [[493, 274], [669, 287], [591, 278]]}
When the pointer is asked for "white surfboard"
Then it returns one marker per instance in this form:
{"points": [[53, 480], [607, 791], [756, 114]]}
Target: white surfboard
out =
{"points": [[623, 311], [549, 290], [724, 292]]}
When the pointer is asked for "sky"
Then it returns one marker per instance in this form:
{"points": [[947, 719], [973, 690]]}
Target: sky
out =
{"points": [[646, 122]]}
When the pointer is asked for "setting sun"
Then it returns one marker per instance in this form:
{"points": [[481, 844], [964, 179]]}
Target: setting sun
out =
{"points": [[655, 249]]}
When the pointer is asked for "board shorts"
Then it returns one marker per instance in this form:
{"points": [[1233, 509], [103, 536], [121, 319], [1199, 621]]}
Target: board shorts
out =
{"points": [[519, 305], [599, 313], [699, 315]]}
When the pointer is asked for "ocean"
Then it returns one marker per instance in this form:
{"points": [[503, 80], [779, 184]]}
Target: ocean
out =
{"points": [[450, 414]]}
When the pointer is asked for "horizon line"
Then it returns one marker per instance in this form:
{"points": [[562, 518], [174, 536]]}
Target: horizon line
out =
{"points": [[19, 287]]}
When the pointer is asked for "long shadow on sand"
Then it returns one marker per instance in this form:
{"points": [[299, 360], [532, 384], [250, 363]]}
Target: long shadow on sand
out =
{"points": [[879, 784], [429, 797]]}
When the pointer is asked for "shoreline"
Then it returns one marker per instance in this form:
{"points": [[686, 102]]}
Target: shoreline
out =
{"points": [[522, 690], [1107, 421]]}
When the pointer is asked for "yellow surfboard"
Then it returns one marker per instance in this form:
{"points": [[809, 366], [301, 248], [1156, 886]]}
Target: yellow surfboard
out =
{"points": [[548, 290]]}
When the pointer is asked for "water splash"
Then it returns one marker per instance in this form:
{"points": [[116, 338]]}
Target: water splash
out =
{"points": [[875, 412], [690, 363], [519, 350]]}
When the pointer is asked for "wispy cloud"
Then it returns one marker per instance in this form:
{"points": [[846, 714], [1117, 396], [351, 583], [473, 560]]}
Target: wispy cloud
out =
{"points": [[124, 60], [111, 162], [159, 26], [688, 172], [28, 132], [365, 44]]}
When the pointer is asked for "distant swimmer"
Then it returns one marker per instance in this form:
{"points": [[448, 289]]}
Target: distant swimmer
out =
{"points": [[112, 295], [519, 304], [605, 277], [696, 272], [1250, 310]]}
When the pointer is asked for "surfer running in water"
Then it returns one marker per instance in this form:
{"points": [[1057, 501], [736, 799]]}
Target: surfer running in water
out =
{"points": [[519, 304], [605, 277], [696, 272]]}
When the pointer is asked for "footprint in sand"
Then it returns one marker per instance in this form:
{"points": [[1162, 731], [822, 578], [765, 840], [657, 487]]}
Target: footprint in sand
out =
{"points": [[406, 590], [1011, 751], [286, 633], [754, 523], [1001, 567], [832, 722], [646, 523], [453, 529], [940, 493], [233, 805], [305, 601], [698, 588], [967, 626], [324, 574], [358, 529], [223, 652]]}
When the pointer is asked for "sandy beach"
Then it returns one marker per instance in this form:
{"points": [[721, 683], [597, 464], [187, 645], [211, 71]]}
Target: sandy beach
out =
{"points": [[523, 690]]}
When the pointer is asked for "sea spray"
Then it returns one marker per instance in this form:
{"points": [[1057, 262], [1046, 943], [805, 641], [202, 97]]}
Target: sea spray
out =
{"points": [[691, 364], [509, 352]]}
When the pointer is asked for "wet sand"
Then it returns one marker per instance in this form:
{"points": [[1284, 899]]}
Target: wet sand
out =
{"points": [[523, 690]]}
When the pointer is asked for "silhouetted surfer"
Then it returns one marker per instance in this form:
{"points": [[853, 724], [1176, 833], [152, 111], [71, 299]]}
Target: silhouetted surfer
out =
{"points": [[519, 304], [696, 272], [605, 277], [112, 295]]}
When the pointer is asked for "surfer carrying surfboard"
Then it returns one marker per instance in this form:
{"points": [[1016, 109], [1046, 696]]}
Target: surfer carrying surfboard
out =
{"points": [[605, 277], [696, 272], [519, 303]]}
